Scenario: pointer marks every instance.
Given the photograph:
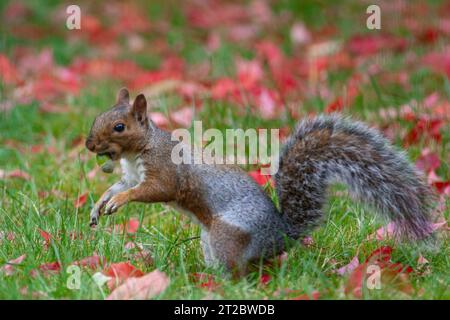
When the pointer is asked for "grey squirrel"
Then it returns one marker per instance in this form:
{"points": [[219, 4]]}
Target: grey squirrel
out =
{"points": [[239, 222]]}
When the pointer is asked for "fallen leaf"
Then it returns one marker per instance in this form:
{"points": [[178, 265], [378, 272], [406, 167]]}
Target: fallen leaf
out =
{"points": [[8, 73], [424, 129], [121, 271], [205, 281], [299, 34], [9, 267], [308, 241], [183, 116], [315, 295], [260, 178], [159, 119], [145, 287], [390, 231], [131, 227], [391, 276], [46, 236], [10, 236], [264, 279], [421, 260], [93, 262], [371, 44], [249, 73], [24, 291], [428, 162], [438, 61], [223, 88], [266, 104], [47, 269], [348, 268], [81, 200], [423, 266], [17, 174], [383, 233], [442, 187]]}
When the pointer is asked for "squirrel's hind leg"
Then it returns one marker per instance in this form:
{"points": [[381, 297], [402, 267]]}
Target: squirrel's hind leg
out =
{"points": [[228, 245]]}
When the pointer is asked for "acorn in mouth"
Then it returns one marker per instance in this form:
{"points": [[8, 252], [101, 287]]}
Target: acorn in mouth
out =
{"points": [[105, 162]]}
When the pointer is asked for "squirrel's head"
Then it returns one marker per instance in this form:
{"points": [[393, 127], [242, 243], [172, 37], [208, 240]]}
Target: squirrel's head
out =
{"points": [[122, 129]]}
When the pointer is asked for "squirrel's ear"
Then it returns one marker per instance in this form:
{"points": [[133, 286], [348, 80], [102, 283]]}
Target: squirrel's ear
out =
{"points": [[123, 96], [139, 109]]}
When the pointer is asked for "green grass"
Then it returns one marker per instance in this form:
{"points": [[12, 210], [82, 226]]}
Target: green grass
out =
{"points": [[164, 232], [171, 237]]}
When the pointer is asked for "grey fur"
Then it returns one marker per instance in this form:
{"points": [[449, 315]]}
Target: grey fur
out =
{"points": [[389, 183], [239, 221], [373, 171]]}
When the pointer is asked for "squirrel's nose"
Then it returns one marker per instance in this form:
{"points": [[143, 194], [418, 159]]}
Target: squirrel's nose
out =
{"points": [[90, 144]]}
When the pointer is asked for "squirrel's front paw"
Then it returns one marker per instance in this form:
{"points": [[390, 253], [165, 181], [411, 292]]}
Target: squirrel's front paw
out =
{"points": [[94, 222], [95, 214], [116, 202]]}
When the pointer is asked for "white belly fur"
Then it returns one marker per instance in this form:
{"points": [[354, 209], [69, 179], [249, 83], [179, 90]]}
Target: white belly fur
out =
{"points": [[133, 169]]}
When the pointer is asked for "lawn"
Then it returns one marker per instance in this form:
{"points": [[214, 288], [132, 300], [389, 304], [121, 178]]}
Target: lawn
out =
{"points": [[249, 64]]}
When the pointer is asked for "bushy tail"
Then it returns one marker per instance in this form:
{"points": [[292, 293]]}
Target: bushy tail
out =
{"points": [[330, 148]]}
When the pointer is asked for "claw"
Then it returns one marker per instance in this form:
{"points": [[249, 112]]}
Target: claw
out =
{"points": [[94, 222], [94, 217], [110, 208]]}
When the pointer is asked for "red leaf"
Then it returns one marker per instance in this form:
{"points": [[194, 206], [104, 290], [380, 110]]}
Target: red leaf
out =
{"points": [[260, 178], [205, 281], [266, 103], [50, 267], [367, 45], [270, 51], [145, 287], [159, 119], [355, 281], [443, 187], [8, 73], [18, 174], [315, 295], [81, 200], [348, 268], [92, 262], [151, 77], [9, 268], [120, 272], [382, 254], [428, 128], [439, 225], [336, 106], [390, 231], [308, 241], [439, 61], [300, 34], [265, 279], [429, 35], [223, 88], [249, 73], [10, 236], [47, 237], [428, 161], [131, 227], [391, 274], [183, 116]]}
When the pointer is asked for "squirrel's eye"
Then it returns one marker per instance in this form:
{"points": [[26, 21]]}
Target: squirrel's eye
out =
{"points": [[119, 127]]}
